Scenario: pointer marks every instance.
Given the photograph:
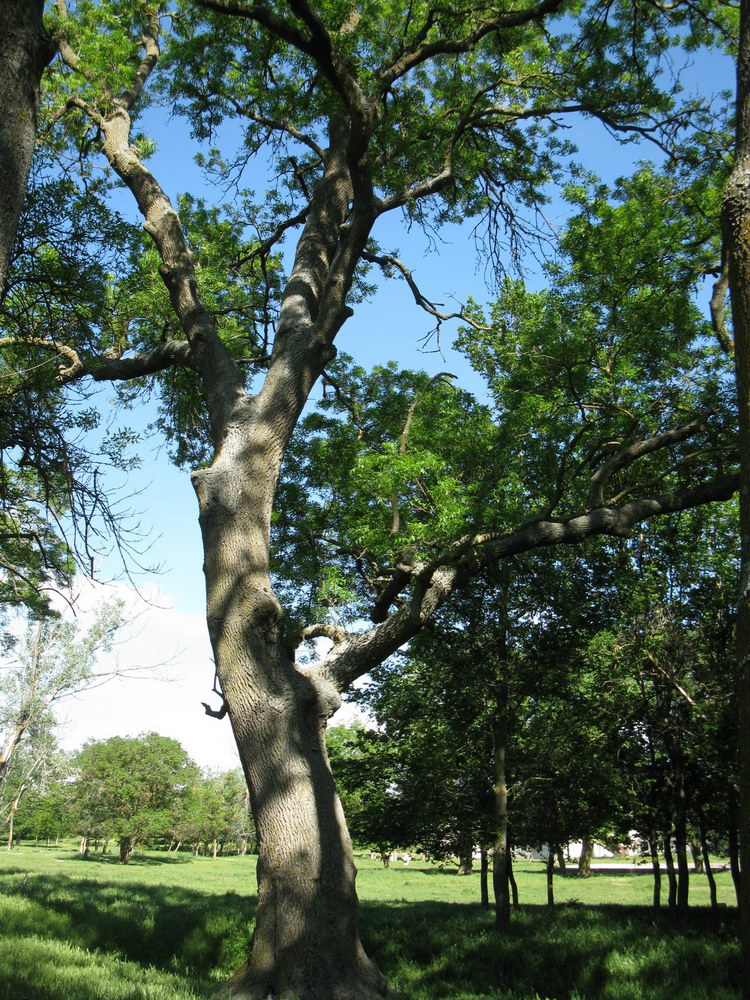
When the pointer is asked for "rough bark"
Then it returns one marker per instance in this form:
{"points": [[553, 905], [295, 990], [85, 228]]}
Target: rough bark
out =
{"points": [[25, 50], [306, 942], [736, 230]]}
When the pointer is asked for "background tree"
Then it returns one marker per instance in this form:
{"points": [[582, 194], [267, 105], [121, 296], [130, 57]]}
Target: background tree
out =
{"points": [[54, 660], [133, 787]]}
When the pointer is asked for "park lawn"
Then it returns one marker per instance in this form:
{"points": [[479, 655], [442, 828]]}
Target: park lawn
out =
{"points": [[172, 928]]}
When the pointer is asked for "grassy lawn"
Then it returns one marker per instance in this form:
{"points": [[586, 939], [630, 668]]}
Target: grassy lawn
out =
{"points": [[166, 928]]}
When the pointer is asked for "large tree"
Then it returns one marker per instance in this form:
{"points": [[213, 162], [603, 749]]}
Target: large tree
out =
{"points": [[736, 273], [441, 113]]}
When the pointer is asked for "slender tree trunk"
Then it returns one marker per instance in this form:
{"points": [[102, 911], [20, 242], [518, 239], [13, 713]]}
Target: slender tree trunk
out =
{"points": [[584, 862], [736, 230], [653, 847], [671, 875], [12, 814], [550, 877], [500, 882], [512, 881], [25, 50], [707, 860], [484, 870], [680, 839], [561, 862], [734, 861]]}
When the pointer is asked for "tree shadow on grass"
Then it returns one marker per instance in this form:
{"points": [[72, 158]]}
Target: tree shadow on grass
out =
{"points": [[429, 950], [441, 951], [136, 860], [175, 929]]}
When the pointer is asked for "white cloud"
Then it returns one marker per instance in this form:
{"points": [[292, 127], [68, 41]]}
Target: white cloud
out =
{"points": [[166, 658]]}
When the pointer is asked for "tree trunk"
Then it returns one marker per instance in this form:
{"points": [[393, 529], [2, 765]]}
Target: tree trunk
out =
{"points": [[550, 877], [736, 231], [12, 814], [25, 49], [671, 876], [707, 860], [500, 883], [561, 863], [83, 847], [126, 849], [512, 881], [466, 858], [653, 847], [306, 941], [484, 869], [696, 852], [734, 861], [584, 862], [680, 839]]}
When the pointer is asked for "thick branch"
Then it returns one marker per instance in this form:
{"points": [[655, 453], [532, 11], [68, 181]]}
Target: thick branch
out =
{"points": [[626, 456], [102, 368], [433, 583], [325, 631], [318, 44], [718, 316]]}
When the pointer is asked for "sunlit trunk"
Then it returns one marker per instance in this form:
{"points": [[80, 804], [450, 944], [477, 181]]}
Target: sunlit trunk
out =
{"points": [[584, 862], [306, 943]]}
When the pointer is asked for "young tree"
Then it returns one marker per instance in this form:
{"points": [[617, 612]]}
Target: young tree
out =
{"points": [[444, 113], [55, 660]]}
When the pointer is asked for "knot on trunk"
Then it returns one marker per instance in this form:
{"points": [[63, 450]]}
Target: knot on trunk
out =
{"points": [[325, 696]]}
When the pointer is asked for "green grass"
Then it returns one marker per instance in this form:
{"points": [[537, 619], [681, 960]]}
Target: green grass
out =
{"points": [[173, 928]]}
